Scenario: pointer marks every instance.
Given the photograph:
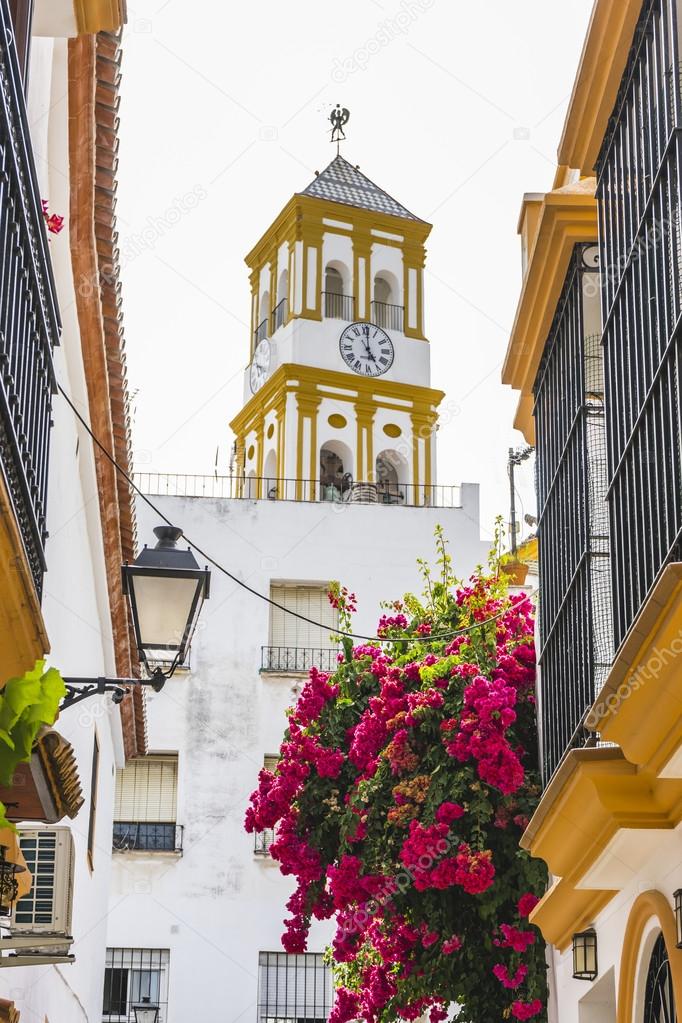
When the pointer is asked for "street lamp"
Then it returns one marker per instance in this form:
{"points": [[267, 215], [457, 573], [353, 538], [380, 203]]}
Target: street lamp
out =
{"points": [[585, 955], [166, 589], [146, 1012]]}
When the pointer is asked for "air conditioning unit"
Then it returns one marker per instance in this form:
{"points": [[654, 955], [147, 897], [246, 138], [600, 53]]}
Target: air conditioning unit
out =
{"points": [[46, 910]]}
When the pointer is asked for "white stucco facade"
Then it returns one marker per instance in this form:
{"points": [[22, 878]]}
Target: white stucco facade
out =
{"points": [[75, 598], [219, 904]]}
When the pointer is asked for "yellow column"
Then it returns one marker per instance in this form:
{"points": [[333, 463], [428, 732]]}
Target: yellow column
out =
{"points": [[421, 430], [259, 458], [413, 259], [362, 249], [239, 464], [280, 413], [254, 277], [364, 415], [307, 406]]}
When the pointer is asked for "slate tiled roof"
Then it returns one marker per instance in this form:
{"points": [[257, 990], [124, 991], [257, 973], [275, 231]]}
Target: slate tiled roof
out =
{"points": [[342, 182]]}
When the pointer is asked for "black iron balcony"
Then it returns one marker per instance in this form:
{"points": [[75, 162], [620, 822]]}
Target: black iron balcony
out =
{"points": [[280, 314], [29, 319], [295, 659], [143, 836], [262, 842], [338, 307], [261, 332], [390, 317]]}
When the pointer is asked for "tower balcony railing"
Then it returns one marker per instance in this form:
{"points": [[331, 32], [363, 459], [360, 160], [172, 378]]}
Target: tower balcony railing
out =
{"points": [[261, 332], [337, 306], [295, 659], [29, 319], [345, 492], [388, 316], [280, 314]]}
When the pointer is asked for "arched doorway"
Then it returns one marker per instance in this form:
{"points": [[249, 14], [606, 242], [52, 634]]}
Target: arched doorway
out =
{"points": [[338, 303], [336, 478], [659, 998], [391, 477]]}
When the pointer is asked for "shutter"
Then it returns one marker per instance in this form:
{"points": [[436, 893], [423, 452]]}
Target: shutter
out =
{"points": [[270, 762], [146, 790], [311, 601]]}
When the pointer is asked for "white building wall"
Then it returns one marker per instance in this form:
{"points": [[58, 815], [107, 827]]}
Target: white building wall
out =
{"points": [[218, 905], [75, 602]]}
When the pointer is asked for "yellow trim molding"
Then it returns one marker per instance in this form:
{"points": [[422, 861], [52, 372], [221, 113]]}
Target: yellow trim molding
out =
{"points": [[23, 636], [567, 216], [594, 794], [602, 63], [647, 905], [640, 704], [99, 15]]}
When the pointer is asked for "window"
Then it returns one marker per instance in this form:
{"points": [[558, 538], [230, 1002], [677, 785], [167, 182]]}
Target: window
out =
{"points": [[145, 807], [296, 645], [135, 976], [293, 988], [94, 779]]}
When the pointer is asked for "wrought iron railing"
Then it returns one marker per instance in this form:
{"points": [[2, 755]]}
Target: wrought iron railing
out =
{"points": [[139, 836], [261, 332], [256, 488], [338, 307], [639, 195], [262, 840], [279, 315], [390, 317], [29, 319], [298, 658]]}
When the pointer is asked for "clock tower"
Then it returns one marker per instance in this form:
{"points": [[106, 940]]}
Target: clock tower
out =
{"points": [[337, 397]]}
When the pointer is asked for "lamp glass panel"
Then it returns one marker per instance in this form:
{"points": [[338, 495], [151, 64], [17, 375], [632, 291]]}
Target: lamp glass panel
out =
{"points": [[163, 609], [146, 1014]]}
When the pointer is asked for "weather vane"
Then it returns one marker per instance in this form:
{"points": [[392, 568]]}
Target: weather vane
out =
{"points": [[339, 117]]}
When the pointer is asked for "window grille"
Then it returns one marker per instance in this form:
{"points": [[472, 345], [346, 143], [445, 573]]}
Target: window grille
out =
{"points": [[575, 609], [264, 839], [145, 807], [131, 976], [311, 601], [638, 190], [293, 988]]}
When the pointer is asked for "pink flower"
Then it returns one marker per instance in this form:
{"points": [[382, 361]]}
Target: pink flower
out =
{"points": [[346, 1006], [527, 904], [449, 812], [502, 974], [526, 1010], [514, 938], [430, 938], [453, 944]]}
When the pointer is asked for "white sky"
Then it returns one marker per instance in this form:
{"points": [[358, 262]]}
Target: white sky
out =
{"points": [[457, 115]]}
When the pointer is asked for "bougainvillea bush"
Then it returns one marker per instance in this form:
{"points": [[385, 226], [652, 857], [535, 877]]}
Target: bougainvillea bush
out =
{"points": [[404, 782]]}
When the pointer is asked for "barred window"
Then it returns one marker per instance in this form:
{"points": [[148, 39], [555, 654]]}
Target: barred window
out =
{"points": [[293, 988], [135, 977], [145, 808], [264, 839]]}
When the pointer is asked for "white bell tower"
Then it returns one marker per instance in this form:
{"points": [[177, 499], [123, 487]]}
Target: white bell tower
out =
{"points": [[337, 397]]}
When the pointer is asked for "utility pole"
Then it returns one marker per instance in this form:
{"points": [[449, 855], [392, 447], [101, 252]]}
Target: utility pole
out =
{"points": [[516, 457]]}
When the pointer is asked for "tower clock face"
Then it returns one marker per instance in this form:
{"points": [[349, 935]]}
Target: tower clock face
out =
{"points": [[260, 365], [366, 349]]}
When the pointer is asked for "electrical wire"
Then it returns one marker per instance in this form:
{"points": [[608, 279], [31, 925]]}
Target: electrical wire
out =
{"points": [[250, 589]]}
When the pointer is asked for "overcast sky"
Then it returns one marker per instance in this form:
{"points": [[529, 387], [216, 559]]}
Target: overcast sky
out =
{"points": [[456, 110]]}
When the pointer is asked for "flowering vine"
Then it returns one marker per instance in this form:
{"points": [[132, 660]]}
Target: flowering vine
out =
{"points": [[403, 784], [53, 221]]}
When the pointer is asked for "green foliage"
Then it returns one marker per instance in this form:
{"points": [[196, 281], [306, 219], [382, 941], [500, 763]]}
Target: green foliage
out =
{"points": [[26, 704]]}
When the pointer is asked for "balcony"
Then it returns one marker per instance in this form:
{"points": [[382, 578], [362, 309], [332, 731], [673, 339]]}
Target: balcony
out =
{"points": [[388, 316], [135, 836], [337, 306], [280, 315], [29, 319], [282, 660], [253, 488], [262, 842]]}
